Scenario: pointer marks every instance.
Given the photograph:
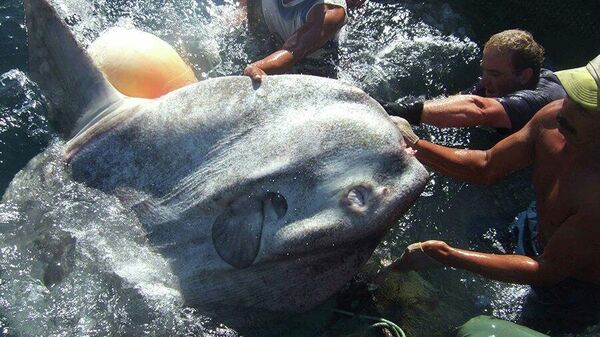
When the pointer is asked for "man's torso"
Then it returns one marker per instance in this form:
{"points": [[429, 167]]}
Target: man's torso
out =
{"points": [[564, 186], [284, 17]]}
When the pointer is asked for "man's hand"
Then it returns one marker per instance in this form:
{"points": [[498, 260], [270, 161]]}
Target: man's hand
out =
{"points": [[409, 135], [254, 72], [414, 258]]}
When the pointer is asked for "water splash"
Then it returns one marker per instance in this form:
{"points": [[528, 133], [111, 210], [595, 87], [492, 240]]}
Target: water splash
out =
{"points": [[72, 265], [391, 52], [395, 51]]}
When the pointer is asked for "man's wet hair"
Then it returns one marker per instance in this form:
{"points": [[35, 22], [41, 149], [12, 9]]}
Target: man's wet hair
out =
{"points": [[526, 52]]}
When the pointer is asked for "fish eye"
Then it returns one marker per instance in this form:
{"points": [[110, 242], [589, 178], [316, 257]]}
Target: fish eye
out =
{"points": [[358, 196]]}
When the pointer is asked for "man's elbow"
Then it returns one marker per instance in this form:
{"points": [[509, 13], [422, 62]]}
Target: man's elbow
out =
{"points": [[489, 112], [484, 172], [548, 275], [472, 109], [298, 50]]}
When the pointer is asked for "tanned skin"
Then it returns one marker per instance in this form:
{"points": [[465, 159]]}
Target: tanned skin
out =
{"points": [[322, 23], [499, 77], [562, 144]]}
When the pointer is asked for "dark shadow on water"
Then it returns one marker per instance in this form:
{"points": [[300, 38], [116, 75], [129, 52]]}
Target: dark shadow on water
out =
{"points": [[13, 42], [24, 131], [568, 30]]}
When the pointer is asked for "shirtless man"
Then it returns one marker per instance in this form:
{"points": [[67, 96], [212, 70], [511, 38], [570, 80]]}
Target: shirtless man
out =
{"points": [[513, 87], [305, 26], [562, 142]]}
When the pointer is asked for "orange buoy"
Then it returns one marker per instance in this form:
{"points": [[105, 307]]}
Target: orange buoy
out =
{"points": [[139, 64]]}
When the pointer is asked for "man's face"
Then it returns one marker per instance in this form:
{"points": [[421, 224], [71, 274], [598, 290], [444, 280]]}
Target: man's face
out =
{"points": [[499, 76], [578, 125]]}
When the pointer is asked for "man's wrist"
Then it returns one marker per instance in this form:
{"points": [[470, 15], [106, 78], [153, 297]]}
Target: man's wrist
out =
{"points": [[413, 143], [412, 112]]}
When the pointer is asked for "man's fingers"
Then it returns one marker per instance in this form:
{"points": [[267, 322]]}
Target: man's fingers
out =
{"points": [[414, 258], [407, 132], [255, 73]]}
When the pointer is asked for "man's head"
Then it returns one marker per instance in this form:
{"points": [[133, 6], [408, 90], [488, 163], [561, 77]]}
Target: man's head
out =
{"points": [[579, 118], [512, 61]]}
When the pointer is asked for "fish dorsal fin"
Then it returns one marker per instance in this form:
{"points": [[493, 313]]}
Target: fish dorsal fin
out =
{"points": [[75, 88]]}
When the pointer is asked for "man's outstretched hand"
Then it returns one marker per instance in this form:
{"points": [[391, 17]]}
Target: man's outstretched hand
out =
{"points": [[415, 258], [254, 72], [407, 132]]}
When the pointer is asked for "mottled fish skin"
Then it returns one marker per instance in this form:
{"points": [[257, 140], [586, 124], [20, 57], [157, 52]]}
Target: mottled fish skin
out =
{"points": [[263, 196], [285, 188]]}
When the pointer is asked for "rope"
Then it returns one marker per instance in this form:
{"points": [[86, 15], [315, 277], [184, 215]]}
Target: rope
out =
{"points": [[380, 322]]}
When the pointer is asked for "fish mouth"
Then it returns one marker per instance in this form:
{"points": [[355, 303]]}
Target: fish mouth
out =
{"points": [[368, 241]]}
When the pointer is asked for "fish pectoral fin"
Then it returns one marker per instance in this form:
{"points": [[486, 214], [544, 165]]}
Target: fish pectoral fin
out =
{"points": [[236, 232]]}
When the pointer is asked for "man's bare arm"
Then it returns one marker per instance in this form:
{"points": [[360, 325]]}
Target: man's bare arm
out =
{"points": [[322, 23], [571, 249], [477, 166], [465, 110], [485, 167]]}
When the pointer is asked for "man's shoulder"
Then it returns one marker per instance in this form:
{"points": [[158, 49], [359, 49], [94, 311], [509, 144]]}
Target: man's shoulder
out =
{"points": [[547, 73], [548, 89], [522, 105], [548, 86], [544, 121], [548, 79], [548, 112]]}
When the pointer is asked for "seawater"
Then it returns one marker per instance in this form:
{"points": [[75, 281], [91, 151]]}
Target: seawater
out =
{"points": [[393, 51]]}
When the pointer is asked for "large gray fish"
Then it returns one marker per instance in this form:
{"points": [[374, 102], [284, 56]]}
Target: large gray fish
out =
{"points": [[258, 197]]}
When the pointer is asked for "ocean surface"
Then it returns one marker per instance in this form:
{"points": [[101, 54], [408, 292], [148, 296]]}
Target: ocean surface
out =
{"points": [[393, 50]]}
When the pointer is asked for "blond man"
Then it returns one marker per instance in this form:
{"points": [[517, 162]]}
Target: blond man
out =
{"points": [[513, 87]]}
